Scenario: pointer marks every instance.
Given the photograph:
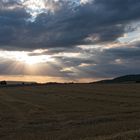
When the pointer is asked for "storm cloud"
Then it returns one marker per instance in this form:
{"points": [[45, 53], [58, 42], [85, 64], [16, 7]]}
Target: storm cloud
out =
{"points": [[83, 37], [70, 25]]}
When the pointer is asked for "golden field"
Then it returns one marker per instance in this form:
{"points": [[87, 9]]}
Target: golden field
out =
{"points": [[70, 112]]}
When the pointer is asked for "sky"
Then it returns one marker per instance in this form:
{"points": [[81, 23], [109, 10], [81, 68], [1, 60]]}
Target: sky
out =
{"points": [[69, 40]]}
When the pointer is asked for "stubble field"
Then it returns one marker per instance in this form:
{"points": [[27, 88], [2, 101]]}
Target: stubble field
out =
{"points": [[70, 112]]}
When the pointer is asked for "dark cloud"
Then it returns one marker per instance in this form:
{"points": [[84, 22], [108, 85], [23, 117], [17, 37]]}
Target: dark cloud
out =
{"points": [[13, 18], [92, 63], [99, 21], [65, 27], [112, 62], [105, 63]]}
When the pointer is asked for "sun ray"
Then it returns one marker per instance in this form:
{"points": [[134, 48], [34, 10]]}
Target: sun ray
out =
{"points": [[24, 57]]}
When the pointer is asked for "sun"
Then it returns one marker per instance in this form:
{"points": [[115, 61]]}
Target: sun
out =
{"points": [[33, 60], [25, 57], [30, 60]]}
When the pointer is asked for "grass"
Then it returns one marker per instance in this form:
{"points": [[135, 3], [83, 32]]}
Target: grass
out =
{"points": [[70, 112]]}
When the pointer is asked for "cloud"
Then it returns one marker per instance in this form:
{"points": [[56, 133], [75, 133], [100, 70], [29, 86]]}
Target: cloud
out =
{"points": [[103, 63], [91, 23], [92, 63], [82, 37]]}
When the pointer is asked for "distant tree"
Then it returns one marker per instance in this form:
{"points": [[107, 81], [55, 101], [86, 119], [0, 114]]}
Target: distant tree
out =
{"points": [[3, 83]]}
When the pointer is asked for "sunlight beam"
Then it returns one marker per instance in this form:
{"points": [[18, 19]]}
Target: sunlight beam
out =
{"points": [[24, 57]]}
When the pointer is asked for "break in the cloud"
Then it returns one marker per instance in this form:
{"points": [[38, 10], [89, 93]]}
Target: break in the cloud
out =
{"points": [[70, 39]]}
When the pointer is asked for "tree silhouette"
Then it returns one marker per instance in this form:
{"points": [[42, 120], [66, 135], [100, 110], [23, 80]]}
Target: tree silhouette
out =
{"points": [[3, 83]]}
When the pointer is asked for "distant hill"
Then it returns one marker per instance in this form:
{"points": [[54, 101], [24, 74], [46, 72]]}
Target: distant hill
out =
{"points": [[19, 83], [123, 79]]}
